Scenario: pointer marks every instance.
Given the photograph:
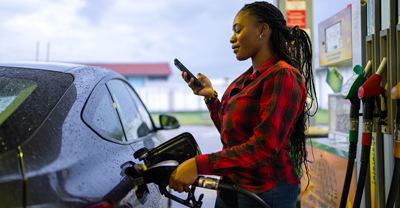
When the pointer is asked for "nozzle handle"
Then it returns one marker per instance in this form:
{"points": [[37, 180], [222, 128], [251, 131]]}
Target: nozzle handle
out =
{"points": [[367, 68], [190, 201], [395, 93], [382, 66], [371, 87], [215, 184]]}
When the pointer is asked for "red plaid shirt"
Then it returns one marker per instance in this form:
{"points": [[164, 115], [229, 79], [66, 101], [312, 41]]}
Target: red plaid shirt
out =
{"points": [[255, 119]]}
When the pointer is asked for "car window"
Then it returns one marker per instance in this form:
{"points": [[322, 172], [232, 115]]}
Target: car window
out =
{"points": [[13, 92], [100, 114], [134, 126], [27, 96], [141, 108]]}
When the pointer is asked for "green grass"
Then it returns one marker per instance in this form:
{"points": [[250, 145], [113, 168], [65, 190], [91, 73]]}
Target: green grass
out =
{"points": [[322, 116], [187, 118], [203, 118]]}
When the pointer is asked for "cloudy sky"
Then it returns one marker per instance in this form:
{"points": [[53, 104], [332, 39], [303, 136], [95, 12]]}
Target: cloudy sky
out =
{"points": [[197, 32]]}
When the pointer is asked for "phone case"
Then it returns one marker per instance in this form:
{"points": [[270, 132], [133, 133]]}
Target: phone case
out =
{"points": [[181, 67]]}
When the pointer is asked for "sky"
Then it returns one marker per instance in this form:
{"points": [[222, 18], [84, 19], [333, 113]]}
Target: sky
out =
{"points": [[197, 32]]}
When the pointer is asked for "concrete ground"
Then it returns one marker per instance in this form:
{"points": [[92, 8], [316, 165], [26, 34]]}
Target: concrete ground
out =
{"points": [[208, 139]]}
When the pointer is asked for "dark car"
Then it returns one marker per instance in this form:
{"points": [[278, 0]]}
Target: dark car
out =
{"points": [[67, 132]]}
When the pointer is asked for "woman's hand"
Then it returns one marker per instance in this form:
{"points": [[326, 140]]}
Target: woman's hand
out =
{"points": [[205, 90], [184, 176]]}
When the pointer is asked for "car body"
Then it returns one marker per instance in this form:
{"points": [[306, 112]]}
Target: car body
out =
{"points": [[67, 132]]}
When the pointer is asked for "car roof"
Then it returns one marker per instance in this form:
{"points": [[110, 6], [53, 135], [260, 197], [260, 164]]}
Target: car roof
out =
{"points": [[50, 66]]}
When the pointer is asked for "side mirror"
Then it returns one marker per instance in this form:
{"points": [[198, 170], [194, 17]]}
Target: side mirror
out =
{"points": [[168, 122]]}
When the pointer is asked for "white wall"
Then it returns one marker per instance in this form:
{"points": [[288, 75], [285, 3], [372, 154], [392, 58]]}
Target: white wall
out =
{"points": [[166, 97]]}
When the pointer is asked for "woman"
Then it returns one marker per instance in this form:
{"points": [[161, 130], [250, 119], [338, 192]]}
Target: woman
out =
{"points": [[262, 115]]}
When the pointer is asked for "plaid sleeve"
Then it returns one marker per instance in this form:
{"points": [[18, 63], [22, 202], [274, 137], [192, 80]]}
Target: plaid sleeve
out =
{"points": [[214, 113], [280, 103]]}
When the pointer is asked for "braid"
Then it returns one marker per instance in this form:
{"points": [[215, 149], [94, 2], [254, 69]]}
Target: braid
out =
{"points": [[293, 45]]}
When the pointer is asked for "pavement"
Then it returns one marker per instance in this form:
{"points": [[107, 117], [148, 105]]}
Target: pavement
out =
{"points": [[208, 139]]}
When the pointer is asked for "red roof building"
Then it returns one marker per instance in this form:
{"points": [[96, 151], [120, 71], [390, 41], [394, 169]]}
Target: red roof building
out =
{"points": [[139, 74], [135, 70]]}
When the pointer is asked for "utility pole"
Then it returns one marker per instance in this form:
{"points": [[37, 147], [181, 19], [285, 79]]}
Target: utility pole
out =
{"points": [[37, 51], [48, 52]]}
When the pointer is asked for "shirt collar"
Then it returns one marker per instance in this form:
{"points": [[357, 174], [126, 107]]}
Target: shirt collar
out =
{"points": [[263, 68]]}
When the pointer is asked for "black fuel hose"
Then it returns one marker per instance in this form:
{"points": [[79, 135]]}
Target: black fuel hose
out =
{"points": [[215, 184], [366, 148], [365, 152], [353, 139], [395, 184], [396, 154], [349, 174]]}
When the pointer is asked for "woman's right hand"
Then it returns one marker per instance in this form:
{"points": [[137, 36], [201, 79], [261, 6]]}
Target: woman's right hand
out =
{"points": [[205, 90]]}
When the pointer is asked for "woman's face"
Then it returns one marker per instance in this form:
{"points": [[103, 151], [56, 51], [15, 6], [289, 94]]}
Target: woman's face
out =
{"points": [[246, 41]]}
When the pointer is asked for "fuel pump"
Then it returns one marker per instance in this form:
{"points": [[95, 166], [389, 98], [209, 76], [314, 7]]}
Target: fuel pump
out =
{"points": [[396, 150], [367, 92], [349, 91]]}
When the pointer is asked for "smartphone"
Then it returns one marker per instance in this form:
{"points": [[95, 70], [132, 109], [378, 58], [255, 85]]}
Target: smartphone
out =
{"points": [[189, 74]]}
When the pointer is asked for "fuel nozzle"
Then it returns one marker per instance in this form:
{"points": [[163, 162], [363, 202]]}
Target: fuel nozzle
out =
{"points": [[160, 172], [371, 87], [161, 161], [349, 91], [135, 173]]}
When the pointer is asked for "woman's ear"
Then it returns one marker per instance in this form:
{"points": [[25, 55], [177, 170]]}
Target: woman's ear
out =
{"points": [[265, 31]]}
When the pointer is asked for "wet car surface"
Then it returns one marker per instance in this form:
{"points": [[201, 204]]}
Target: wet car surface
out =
{"points": [[67, 132]]}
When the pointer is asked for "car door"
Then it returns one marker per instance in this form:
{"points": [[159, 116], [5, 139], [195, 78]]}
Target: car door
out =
{"points": [[138, 129], [114, 115], [87, 156]]}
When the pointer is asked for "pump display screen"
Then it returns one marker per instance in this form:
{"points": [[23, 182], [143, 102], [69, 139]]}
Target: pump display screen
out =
{"points": [[333, 37]]}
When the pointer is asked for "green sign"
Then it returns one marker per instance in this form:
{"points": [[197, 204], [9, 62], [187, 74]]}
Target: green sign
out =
{"points": [[334, 79]]}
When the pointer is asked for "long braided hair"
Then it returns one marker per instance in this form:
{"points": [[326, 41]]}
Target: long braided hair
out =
{"points": [[293, 45]]}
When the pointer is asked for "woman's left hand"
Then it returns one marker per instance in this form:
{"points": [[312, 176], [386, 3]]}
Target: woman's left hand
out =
{"points": [[184, 176]]}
